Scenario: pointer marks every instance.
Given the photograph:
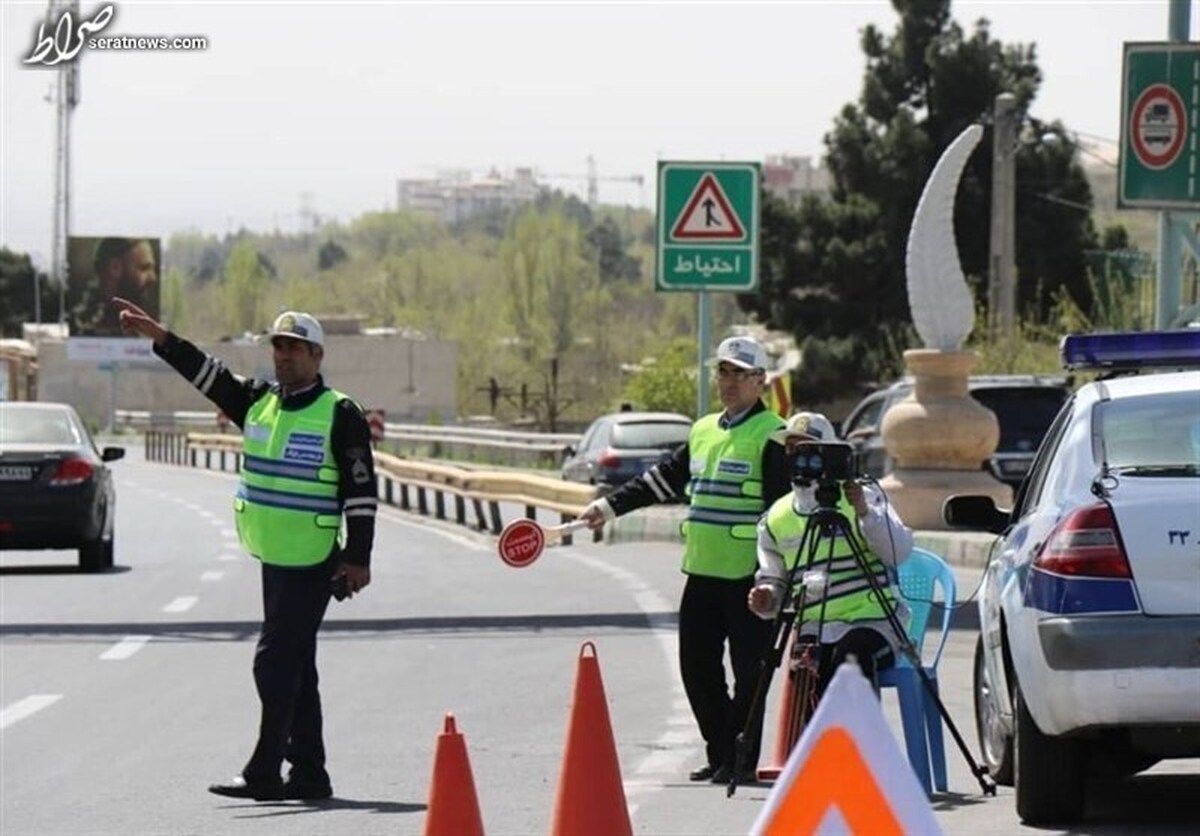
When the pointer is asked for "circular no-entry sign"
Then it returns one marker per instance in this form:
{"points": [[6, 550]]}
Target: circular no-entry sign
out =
{"points": [[1157, 126], [521, 543]]}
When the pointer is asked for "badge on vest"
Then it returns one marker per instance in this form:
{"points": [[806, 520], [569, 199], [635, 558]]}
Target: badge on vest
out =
{"points": [[303, 454], [306, 440], [733, 467], [258, 432]]}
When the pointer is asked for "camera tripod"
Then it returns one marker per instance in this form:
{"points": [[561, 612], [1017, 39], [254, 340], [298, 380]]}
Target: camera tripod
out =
{"points": [[826, 524]]}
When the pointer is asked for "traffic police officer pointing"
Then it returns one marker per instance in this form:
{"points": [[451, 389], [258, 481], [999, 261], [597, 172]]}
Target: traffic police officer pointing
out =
{"points": [[307, 464]]}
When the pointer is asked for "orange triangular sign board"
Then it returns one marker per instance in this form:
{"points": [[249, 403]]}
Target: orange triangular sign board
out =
{"points": [[708, 215], [847, 774]]}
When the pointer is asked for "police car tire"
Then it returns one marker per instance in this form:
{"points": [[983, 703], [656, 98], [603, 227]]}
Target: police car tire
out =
{"points": [[1049, 773], [997, 754]]}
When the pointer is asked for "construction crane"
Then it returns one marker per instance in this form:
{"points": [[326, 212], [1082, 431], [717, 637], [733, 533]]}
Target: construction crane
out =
{"points": [[593, 178]]}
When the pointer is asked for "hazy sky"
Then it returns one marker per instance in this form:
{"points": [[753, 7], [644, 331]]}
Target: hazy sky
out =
{"points": [[337, 100]]}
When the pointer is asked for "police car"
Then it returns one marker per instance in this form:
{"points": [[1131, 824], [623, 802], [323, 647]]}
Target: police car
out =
{"points": [[1088, 660]]}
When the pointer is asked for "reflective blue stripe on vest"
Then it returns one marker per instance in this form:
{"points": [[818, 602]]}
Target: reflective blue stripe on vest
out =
{"points": [[712, 515], [283, 499], [715, 487], [272, 467]]}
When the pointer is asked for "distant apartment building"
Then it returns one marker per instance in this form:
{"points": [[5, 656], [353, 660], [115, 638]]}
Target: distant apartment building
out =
{"points": [[454, 196], [791, 178]]}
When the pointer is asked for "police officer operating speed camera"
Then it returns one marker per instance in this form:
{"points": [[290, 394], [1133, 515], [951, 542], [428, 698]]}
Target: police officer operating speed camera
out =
{"points": [[842, 614]]}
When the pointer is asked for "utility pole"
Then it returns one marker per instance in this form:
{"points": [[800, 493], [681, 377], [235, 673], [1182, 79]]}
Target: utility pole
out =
{"points": [[593, 191], [65, 98], [1171, 225], [1001, 265]]}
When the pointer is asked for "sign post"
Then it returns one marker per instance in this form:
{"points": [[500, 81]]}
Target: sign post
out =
{"points": [[708, 222]]}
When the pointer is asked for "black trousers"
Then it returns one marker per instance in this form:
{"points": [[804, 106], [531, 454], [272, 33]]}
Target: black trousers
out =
{"points": [[712, 612], [285, 673], [868, 647]]}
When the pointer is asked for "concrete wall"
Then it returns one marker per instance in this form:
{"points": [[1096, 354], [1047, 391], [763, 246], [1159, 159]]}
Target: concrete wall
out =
{"points": [[412, 379]]}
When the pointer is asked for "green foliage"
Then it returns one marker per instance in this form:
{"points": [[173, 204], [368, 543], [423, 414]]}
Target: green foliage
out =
{"points": [[17, 293], [612, 260], [244, 288], [331, 255], [833, 270], [173, 307], [667, 384]]}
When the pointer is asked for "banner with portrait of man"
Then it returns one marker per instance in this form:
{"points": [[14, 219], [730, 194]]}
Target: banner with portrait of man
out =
{"points": [[101, 268]]}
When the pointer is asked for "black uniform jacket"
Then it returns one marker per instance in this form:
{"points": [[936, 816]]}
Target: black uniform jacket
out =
{"points": [[668, 480], [350, 436]]}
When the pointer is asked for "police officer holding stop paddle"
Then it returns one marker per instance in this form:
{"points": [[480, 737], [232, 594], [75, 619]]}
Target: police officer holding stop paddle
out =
{"points": [[731, 474]]}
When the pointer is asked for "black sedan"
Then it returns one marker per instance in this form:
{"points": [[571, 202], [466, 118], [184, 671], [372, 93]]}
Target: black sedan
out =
{"points": [[56, 492]]}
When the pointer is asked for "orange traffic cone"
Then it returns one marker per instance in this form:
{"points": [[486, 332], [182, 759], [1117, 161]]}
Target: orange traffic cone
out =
{"points": [[792, 716], [453, 809], [591, 798]]}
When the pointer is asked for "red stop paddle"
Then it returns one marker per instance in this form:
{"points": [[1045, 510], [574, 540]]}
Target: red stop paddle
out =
{"points": [[522, 541]]}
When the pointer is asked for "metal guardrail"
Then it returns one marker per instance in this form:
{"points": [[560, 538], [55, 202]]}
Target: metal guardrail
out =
{"points": [[427, 487], [474, 444]]}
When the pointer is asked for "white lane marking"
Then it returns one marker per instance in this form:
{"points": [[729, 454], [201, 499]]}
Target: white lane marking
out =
{"points": [[227, 556], [211, 577], [23, 708], [181, 604], [229, 534], [671, 750], [125, 648]]}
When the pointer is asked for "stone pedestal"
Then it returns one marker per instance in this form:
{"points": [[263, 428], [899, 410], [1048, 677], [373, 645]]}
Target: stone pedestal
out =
{"points": [[940, 438]]}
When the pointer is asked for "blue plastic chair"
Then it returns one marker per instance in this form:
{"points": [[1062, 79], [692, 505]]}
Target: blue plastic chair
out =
{"points": [[919, 577]]}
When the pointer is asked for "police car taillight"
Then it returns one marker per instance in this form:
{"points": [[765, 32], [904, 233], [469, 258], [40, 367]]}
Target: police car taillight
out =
{"points": [[1131, 350], [1087, 543], [72, 472]]}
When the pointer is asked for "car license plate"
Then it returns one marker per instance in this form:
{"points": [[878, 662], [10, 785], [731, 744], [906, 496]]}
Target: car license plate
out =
{"points": [[15, 473]]}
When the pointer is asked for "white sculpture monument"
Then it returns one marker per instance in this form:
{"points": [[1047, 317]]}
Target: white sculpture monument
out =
{"points": [[939, 435]]}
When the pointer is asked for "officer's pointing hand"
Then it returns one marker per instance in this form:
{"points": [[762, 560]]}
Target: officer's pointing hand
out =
{"points": [[134, 320]]}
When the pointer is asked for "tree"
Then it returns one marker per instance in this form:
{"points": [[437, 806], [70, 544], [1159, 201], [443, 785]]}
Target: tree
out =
{"points": [[17, 275], [549, 285], [668, 384], [613, 262], [243, 287], [331, 255], [844, 285]]}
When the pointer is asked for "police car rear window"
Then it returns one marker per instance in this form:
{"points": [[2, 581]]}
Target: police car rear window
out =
{"points": [[1153, 430]]}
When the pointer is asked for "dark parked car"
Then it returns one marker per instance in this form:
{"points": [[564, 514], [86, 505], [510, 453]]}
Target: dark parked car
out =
{"points": [[1025, 405], [56, 492], [617, 447]]}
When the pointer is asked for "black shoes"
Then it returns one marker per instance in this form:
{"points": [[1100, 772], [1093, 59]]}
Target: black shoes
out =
{"points": [[725, 773], [239, 788], [307, 790], [292, 789], [704, 773]]}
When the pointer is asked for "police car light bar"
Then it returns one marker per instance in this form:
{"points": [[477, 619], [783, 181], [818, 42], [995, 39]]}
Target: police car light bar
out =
{"points": [[1131, 350]]}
